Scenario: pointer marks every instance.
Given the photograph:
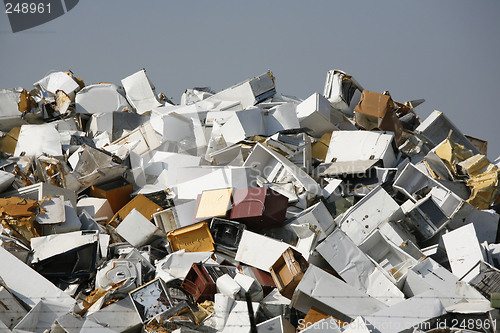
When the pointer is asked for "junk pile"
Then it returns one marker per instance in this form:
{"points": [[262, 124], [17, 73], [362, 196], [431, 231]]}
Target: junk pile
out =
{"points": [[241, 211]]}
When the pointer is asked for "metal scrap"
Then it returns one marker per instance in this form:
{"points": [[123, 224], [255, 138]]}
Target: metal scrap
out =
{"points": [[120, 210]]}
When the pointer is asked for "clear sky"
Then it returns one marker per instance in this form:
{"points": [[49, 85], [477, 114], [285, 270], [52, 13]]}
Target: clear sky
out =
{"points": [[446, 52]]}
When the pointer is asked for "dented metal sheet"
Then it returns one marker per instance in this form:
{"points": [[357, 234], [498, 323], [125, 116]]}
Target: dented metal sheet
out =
{"points": [[360, 220], [333, 296], [101, 98], [140, 92], [41, 317], [363, 145], [318, 217], [53, 82], [52, 210], [120, 316], [11, 311], [150, 299], [31, 293], [377, 111], [428, 274], [437, 126], [463, 250], [49, 246], [276, 169], [48, 141], [244, 124], [277, 324], [138, 230], [416, 185], [314, 114], [358, 270], [342, 90], [371, 205], [411, 312], [145, 136], [259, 251], [244, 94], [388, 256]]}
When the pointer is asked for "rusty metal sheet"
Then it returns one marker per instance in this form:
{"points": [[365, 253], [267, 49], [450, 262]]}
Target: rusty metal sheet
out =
{"points": [[62, 102], [376, 111]]}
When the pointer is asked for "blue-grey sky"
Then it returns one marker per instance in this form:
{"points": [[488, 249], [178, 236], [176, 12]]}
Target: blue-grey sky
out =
{"points": [[444, 51]]}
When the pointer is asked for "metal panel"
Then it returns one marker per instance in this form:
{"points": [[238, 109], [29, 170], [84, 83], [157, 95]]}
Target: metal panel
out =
{"points": [[151, 299], [333, 296]]}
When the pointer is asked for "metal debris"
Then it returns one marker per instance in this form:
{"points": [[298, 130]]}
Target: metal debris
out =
{"points": [[343, 212]]}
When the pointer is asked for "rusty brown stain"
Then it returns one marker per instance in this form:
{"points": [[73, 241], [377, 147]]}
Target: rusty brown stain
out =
{"points": [[26, 102], [5, 306], [16, 207], [22, 175]]}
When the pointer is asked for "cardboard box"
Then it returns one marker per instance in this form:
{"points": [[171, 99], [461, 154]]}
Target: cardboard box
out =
{"points": [[287, 271]]}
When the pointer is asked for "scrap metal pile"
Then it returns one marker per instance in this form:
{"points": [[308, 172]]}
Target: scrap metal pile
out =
{"points": [[242, 210]]}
